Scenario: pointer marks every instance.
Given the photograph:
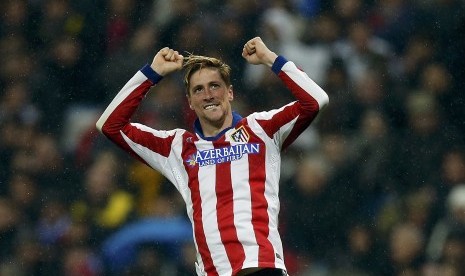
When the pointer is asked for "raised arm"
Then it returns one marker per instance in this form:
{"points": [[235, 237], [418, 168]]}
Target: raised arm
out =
{"points": [[287, 123], [115, 120], [256, 52]]}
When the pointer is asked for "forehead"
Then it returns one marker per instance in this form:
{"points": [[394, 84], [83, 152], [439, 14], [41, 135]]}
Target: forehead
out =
{"points": [[205, 75]]}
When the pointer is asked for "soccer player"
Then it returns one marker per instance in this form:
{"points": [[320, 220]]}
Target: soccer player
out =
{"points": [[227, 170]]}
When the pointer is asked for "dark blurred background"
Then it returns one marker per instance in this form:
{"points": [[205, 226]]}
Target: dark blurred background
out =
{"points": [[376, 186]]}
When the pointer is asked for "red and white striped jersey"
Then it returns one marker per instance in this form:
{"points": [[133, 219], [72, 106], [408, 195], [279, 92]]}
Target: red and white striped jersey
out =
{"points": [[230, 182]]}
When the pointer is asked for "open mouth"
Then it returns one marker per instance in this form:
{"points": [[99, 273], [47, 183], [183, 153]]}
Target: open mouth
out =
{"points": [[210, 106]]}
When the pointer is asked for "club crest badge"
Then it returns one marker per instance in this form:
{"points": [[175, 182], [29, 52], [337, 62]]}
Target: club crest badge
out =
{"points": [[240, 135]]}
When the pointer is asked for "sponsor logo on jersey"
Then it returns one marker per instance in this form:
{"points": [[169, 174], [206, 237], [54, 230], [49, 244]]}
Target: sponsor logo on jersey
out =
{"points": [[222, 155]]}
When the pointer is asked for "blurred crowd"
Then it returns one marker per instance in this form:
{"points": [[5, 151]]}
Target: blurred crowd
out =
{"points": [[376, 186]]}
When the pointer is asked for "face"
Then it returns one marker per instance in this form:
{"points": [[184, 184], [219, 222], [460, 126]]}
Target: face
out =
{"points": [[210, 97]]}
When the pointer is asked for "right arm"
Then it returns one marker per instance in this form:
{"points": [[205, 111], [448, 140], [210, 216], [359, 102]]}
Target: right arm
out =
{"points": [[115, 121]]}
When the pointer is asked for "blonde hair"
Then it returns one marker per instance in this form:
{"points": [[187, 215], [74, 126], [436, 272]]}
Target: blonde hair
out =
{"points": [[193, 63]]}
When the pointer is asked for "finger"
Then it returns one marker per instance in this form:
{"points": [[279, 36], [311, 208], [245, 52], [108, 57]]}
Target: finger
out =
{"points": [[249, 48], [255, 42], [175, 56], [244, 52], [164, 51], [169, 55], [179, 57]]}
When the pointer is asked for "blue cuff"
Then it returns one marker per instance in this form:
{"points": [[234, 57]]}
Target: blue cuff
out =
{"points": [[151, 74], [278, 64]]}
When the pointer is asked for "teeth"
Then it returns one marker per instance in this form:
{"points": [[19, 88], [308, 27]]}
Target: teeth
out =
{"points": [[210, 106]]}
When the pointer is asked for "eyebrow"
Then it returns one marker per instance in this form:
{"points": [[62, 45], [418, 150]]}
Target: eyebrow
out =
{"points": [[209, 83], [197, 86]]}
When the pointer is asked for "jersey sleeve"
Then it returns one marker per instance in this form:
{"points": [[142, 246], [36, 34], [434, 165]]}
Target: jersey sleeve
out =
{"points": [[150, 146], [284, 125]]}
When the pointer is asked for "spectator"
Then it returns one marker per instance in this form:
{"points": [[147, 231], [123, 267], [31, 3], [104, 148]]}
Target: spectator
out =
{"points": [[105, 205], [453, 223], [313, 192], [364, 254], [427, 141], [406, 246]]}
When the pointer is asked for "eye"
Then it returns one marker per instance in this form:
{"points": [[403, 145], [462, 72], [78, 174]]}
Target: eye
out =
{"points": [[198, 89], [214, 86]]}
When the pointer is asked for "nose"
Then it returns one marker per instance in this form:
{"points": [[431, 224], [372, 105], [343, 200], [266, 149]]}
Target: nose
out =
{"points": [[208, 95]]}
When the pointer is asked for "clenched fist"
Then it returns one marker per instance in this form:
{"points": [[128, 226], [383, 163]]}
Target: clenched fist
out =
{"points": [[256, 52], [166, 61]]}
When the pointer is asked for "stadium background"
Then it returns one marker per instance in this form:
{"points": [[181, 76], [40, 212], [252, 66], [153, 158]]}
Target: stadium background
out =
{"points": [[375, 187]]}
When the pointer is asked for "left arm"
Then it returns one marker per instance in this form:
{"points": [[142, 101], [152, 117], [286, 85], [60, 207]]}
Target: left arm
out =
{"points": [[291, 120]]}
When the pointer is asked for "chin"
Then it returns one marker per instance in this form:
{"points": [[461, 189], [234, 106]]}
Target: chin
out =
{"points": [[215, 118]]}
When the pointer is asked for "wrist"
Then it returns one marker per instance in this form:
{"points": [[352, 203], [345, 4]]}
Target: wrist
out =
{"points": [[271, 58], [157, 70], [151, 73], [278, 64]]}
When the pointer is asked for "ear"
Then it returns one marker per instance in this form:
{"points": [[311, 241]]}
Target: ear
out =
{"points": [[230, 93], [189, 101]]}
